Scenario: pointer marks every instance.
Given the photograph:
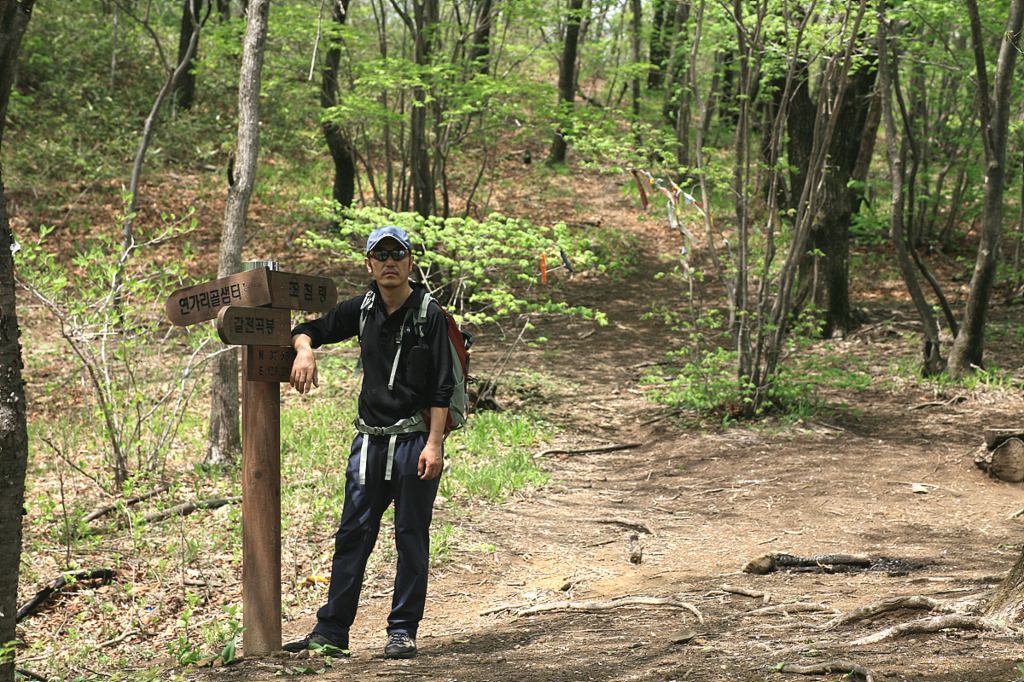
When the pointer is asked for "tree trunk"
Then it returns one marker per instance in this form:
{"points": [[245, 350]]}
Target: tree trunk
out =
{"points": [[676, 109], [424, 199], [224, 441], [933, 363], [968, 348], [13, 437], [800, 125], [1007, 603], [835, 91], [566, 82], [339, 145], [635, 82], [825, 277], [662, 30], [14, 17], [185, 92], [480, 45], [741, 318]]}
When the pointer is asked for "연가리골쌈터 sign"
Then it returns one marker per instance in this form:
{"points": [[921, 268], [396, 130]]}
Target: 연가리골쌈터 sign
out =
{"points": [[259, 287]]}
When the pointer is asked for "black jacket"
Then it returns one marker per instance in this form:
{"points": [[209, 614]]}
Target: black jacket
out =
{"points": [[377, 405]]}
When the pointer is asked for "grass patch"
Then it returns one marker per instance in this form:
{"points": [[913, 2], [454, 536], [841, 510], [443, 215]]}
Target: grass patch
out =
{"points": [[490, 459]]}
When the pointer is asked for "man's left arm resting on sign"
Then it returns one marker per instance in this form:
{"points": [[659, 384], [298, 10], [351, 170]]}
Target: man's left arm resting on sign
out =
{"points": [[431, 458]]}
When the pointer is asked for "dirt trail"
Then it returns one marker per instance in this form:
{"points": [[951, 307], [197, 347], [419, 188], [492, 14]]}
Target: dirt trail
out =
{"points": [[877, 479]]}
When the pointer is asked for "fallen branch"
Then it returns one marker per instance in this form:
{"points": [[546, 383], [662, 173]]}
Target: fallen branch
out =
{"points": [[592, 606], [837, 666], [101, 511], [635, 525], [117, 640], [786, 609], [104, 574], [31, 675], [884, 606], [580, 451], [933, 624], [186, 508]]}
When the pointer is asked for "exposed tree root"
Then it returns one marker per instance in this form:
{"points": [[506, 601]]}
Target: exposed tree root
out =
{"points": [[837, 666], [885, 605], [580, 451], [735, 589], [786, 609], [613, 604], [618, 520], [934, 624]]}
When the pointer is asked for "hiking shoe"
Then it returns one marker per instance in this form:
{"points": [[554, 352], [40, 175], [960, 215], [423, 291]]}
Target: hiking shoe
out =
{"points": [[318, 642], [400, 645]]}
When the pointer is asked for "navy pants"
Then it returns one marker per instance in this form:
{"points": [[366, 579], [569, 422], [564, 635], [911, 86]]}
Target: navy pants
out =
{"points": [[360, 525]]}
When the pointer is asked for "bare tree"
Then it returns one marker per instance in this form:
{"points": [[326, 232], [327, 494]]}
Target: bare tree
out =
{"points": [[968, 348], [933, 363], [224, 439]]}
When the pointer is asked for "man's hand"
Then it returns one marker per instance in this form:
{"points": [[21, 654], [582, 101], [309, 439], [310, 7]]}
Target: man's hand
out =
{"points": [[303, 377], [432, 457], [431, 461]]}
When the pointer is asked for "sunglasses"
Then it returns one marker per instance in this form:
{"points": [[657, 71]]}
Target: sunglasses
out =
{"points": [[382, 254]]}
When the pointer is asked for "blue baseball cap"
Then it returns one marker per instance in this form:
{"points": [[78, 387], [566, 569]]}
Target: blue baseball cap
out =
{"points": [[381, 233]]}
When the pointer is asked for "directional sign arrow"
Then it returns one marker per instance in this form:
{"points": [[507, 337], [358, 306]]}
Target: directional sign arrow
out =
{"points": [[244, 326], [302, 292], [203, 301], [259, 287]]}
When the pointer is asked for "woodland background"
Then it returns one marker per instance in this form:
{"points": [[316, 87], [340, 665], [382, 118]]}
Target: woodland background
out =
{"points": [[151, 145]]}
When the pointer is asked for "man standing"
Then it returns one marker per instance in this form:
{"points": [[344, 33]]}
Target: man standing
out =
{"points": [[397, 454]]}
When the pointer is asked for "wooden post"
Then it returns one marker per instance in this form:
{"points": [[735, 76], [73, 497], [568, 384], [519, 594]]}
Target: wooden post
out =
{"points": [[261, 515], [252, 309], [261, 505]]}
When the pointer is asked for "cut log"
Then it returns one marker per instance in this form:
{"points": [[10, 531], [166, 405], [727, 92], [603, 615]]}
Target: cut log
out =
{"points": [[996, 437], [1005, 462], [767, 563]]}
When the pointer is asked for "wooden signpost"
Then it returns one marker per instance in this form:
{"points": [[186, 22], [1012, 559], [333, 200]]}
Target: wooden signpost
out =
{"points": [[253, 310]]}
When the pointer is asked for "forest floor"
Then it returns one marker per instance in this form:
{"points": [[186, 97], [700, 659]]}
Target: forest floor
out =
{"points": [[887, 472]]}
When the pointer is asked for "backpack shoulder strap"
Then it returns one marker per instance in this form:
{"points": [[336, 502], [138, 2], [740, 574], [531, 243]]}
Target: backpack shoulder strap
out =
{"points": [[364, 312], [421, 313]]}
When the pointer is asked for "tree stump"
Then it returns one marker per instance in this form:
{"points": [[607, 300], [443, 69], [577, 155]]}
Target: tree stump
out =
{"points": [[1005, 461], [996, 437]]}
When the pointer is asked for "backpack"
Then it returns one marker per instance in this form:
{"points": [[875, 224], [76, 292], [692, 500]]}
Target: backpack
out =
{"points": [[459, 343]]}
